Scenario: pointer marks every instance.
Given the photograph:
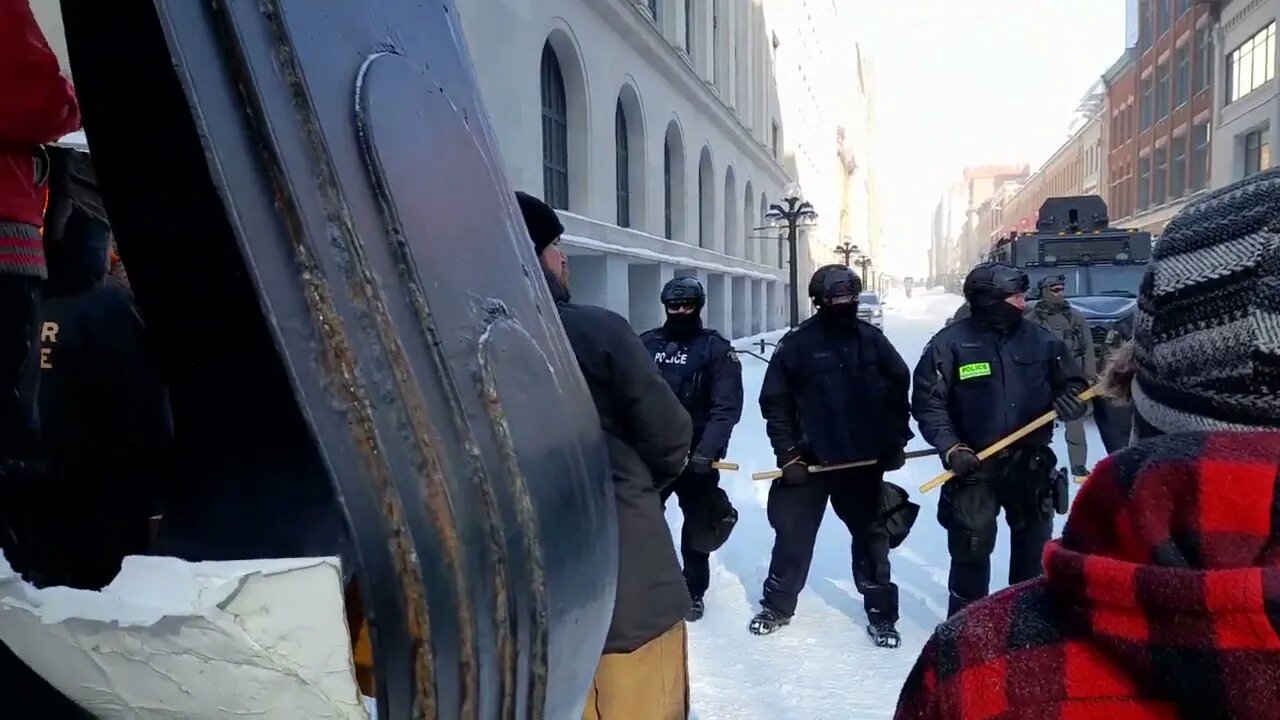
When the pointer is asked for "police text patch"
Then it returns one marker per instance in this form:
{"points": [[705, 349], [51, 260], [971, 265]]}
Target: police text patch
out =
{"points": [[975, 370]]}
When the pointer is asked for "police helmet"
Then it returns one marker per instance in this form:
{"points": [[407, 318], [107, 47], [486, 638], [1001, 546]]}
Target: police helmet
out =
{"points": [[992, 282], [833, 281], [683, 291]]}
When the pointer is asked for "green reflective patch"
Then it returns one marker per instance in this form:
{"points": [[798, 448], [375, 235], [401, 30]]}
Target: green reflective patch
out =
{"points": [[974, 370]]}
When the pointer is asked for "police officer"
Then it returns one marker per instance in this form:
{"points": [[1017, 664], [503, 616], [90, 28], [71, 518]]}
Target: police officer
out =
{"points": [[980, 379], [1055, 314], [705, 374], [835, 392]]}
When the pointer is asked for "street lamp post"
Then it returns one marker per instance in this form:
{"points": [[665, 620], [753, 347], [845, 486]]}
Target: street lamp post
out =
{"points": [[847, 250], [793, 212], [864, 262]]}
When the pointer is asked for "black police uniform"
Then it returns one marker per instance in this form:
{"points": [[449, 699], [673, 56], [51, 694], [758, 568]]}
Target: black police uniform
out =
{"points": [[978, 380], [835, 392], [704, 373]]}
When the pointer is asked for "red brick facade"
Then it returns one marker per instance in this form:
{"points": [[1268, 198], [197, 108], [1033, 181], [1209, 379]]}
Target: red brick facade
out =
{"points": [[1173, 108]]}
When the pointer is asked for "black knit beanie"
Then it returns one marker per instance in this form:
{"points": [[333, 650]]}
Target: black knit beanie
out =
{"points": [[543, 223], [1206, 346]]}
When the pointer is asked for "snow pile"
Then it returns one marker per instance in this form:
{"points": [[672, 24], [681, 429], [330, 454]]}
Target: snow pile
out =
{"points": [[169, 638]]}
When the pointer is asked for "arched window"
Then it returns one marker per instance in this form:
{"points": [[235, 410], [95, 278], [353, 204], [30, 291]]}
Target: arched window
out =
{"points": [[555, 132], [622, 176], [706, 200], [666, 188], [704, 227]]}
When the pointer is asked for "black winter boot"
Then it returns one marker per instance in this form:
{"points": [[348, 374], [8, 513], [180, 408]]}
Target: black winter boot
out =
{"points": [[696, 610], [767, 622], [884, 634]]}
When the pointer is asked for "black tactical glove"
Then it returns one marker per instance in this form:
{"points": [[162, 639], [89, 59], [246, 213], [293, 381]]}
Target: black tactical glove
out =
{"points": [[893, 461], [962, 461], [700, 464], [1069, 407], [795, 472]]}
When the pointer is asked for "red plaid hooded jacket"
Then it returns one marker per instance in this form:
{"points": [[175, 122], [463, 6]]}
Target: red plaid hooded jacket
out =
{"points": [[1161, 600]]}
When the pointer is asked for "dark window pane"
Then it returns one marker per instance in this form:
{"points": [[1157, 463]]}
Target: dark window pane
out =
{"points": [[555, 132]]}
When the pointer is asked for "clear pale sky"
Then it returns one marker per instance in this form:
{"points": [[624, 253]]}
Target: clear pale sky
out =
{"points": [[963, 82]]}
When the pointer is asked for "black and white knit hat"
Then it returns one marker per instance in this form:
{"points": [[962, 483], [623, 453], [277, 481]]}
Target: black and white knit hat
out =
{"points": [[1206, 345]]}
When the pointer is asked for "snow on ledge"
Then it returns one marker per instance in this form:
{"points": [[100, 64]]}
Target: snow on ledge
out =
{"points": [[173, 639], [685, 262]]}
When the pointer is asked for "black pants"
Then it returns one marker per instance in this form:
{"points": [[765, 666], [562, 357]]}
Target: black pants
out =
{"points": [[22, 512], [795, 512], [1115, 422], [1019, 481], [19, 366], [702, 503]]}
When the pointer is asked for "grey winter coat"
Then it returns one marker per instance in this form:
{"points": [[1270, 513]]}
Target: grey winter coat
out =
{"points": [[1069, 326]]}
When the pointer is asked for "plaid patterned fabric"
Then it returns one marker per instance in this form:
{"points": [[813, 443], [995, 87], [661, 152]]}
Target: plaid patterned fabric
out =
{"points": [[1161, 600]]}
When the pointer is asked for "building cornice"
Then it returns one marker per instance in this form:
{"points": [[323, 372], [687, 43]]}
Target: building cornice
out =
{"points": [[1127, 60], [634, 24]]}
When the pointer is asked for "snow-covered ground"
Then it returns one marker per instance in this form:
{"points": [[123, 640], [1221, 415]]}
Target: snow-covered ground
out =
{"points": [[822, 666]]}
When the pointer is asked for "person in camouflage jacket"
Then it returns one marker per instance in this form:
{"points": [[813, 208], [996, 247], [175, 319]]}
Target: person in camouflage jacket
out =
{"points": [[1055, 314]]}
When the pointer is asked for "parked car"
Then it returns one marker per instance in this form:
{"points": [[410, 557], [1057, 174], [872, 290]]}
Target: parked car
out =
{"points": [[871, 309]]}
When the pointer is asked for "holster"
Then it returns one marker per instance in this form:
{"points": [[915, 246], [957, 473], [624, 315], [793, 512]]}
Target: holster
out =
{"points": [[1059, 489]]}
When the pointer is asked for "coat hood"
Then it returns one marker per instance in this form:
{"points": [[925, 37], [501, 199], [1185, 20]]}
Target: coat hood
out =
{"points": [[1170, 567]]}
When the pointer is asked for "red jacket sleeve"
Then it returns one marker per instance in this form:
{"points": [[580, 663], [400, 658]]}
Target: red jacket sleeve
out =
{"points": [[919, 699], [37, 104]]}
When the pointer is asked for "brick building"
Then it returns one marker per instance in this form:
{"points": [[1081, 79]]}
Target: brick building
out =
{"points": [[1120, 134], [1160, 110]]}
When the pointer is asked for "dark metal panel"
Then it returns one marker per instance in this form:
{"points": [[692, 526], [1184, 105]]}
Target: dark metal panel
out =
{"points": [[337, 175]]}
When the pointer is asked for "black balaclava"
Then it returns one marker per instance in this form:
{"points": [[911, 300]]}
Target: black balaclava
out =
{"points": [[987, 287], [684, 323]]}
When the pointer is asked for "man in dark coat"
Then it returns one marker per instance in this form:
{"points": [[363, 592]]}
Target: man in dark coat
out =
{"points": [[705, 374], [1159, 600], [978, 380], [104, 412], [644, 669], [835, 392]]}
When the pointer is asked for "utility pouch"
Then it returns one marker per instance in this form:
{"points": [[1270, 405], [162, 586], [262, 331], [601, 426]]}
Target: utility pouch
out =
{"points": [[1058, 486]]}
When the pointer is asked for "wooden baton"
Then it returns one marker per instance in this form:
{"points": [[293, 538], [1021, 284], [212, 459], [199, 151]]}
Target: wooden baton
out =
{"points": [[723, 465], [1010, 439], [775, 474]]}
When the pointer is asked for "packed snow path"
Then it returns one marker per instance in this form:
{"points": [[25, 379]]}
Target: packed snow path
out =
{"points": [[823, 666]]}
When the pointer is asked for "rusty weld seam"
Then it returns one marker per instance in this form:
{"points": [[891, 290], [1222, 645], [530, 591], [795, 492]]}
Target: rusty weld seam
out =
{"points": [[426, 460], [538, 669], [494, 532], [339, 358]]}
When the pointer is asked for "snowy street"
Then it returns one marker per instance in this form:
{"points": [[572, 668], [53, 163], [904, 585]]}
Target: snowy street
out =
{"points": [[823, 666]]}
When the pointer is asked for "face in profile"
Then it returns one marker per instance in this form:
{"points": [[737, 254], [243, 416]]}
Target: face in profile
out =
{"points": [[556, 262]]}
